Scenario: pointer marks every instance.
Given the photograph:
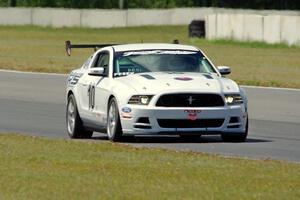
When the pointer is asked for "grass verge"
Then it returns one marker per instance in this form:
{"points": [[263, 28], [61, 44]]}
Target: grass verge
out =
{"points": [[39, 168], [39, 49]]}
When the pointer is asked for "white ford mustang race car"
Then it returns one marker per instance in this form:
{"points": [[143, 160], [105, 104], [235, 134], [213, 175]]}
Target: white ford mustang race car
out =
{"points": [[150, 89]]}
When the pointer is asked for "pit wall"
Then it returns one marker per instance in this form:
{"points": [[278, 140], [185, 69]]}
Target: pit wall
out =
{"points": [[100, 18], [253, 27], [237, 24]]}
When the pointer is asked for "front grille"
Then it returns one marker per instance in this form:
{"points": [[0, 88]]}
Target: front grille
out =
{"points": [[144, 120], [234, 120], [190, 100], [185, 123], [142, 127], [233, 126]]}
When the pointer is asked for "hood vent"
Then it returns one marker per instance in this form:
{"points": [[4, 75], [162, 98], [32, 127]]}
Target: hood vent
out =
{"points": [[208, 76], [147, 76]]}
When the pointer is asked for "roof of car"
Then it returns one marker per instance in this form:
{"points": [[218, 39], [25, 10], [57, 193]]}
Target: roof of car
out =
{"points": [[149, 46]]}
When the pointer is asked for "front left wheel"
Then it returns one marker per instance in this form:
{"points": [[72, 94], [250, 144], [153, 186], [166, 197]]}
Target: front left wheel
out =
{"points": [[114, 128], [75, 126]]}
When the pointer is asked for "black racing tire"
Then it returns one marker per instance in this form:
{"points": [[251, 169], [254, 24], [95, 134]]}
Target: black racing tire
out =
{"points": [[75, 128], [236, 137], [114, 127]]}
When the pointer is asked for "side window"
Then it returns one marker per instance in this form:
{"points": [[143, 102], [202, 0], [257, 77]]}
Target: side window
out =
{"points": [[102, 60], [205, 66]]}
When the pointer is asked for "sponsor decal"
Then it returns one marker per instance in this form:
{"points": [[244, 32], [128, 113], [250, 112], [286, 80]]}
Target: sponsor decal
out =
{"points": [[192, 114], [123, 73], [126, 110], [74, 77], [159, 52], [183, 78]]}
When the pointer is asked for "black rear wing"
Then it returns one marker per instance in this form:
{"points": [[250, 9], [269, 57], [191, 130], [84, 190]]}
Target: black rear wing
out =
{"points": [[70, 46]]}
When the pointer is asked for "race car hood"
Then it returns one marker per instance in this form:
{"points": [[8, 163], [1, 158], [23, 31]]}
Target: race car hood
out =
{"points": [[167, 82]]}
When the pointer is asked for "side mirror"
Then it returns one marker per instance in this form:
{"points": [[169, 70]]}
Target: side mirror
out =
{"points": [[96, 71], [224, 70]]}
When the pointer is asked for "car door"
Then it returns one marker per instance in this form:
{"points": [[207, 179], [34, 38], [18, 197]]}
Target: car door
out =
{"points": [[83, 90], [98, 90]]}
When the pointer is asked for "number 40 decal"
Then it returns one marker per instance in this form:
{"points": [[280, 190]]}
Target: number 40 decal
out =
{"points": [[91, 94]]}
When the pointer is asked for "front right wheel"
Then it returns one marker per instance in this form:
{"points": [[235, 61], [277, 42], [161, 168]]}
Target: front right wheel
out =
{"points": [[114, 128]]}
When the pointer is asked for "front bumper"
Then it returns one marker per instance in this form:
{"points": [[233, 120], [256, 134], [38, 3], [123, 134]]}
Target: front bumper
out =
{"points": [[151, 120]]}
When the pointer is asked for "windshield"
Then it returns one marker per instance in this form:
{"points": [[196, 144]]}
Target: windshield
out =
{"points": [[131, 62]]}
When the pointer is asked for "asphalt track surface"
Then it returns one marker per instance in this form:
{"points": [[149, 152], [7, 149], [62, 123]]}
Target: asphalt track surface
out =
{"points": [[32, 103]]}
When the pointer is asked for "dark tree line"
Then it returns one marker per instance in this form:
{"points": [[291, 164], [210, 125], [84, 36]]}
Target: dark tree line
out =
{"points": [[108, 4]]}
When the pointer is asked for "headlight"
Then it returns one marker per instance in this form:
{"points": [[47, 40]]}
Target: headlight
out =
{"points": [[140, 99], [233, 99]]}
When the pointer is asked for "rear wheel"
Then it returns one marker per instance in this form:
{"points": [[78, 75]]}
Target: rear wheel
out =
{"points": [[114, 128], [235, 137], [75, 127]]}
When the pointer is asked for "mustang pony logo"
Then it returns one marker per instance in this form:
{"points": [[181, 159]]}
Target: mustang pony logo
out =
{"points": [[190, 100], [192, 114]]}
